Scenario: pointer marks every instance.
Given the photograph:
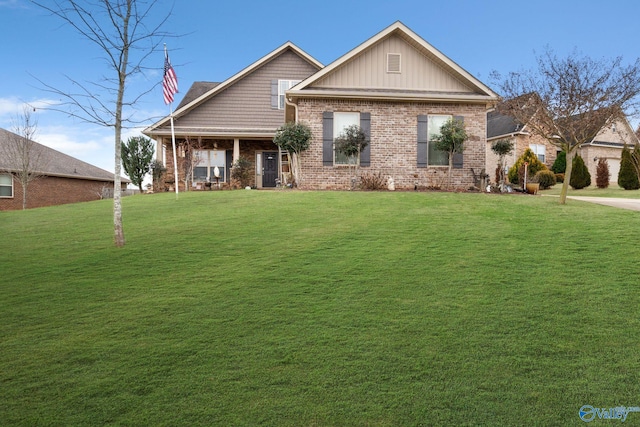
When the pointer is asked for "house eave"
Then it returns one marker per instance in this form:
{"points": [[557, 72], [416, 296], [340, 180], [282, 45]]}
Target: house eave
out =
{"points": [[393, 96], [216, 133]]}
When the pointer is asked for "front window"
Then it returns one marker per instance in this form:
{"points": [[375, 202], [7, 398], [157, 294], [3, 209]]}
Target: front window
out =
{"points": [[6, 186], [206, 163], [539, 150], [283, 86], [341, 121], [436, 157]]}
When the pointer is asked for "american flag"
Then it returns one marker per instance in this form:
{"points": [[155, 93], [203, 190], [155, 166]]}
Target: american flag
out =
{"points": [[170, 80]]}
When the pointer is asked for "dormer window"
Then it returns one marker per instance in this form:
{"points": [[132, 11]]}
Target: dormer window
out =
{"points": [[393, 63]]}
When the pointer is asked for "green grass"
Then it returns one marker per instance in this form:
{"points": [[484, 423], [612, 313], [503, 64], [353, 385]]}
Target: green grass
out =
{"points": [[319, 309], [593, 191]]}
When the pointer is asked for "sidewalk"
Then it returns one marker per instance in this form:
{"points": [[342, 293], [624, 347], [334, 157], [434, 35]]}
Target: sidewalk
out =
{"points": [[632, 204]]}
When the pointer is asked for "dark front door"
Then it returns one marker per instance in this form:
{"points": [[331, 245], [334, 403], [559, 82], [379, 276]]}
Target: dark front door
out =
{"points": [[269, 169]]}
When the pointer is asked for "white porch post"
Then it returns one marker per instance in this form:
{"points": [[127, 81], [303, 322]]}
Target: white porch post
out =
{"points": [[236, 149]]}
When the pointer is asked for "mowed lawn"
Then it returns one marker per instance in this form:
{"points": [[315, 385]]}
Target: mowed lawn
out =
{"points": [[287, 308]]}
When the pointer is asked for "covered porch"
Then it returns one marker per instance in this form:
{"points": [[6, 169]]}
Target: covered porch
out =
{"points": [[206, 163]]}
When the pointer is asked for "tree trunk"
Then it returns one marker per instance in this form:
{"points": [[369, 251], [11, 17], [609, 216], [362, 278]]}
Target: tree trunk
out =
{"points": [[450, 168], [567, 178]]}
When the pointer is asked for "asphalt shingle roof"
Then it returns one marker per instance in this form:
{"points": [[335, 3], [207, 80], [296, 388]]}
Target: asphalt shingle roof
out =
{"points": [[55, 163]]}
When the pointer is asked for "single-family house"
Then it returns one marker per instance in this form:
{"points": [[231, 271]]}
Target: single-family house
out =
{"points": [[502, 126], [217, 123], [607, 144], [397, 87], [60, 178]]}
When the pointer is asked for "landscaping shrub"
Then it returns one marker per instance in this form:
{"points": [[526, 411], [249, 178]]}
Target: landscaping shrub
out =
{"points": [[546, 178], [580, 176], [559, 178], [627, 177], [560, 165], [242, 172], [373, 181], [517, 170], [602, 174]]}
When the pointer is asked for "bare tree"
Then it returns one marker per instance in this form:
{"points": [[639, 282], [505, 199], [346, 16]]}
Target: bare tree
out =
{"points": [[121, 30], [191, 158], [24, 157], [569, 100]]}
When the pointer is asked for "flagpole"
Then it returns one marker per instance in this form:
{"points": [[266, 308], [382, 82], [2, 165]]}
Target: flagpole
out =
{"points": [[170, 87], [173, 145]]}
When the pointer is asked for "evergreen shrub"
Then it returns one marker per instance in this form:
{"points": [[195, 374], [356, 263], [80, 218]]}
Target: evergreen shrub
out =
{"points": [[580, 176]]}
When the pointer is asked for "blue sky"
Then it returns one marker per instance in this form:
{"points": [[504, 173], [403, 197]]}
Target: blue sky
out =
{"points": [[219, 39]]}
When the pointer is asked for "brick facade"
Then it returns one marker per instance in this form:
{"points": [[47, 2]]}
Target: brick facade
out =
{"points": [[393, 143], [50, 191], [521, 143]]}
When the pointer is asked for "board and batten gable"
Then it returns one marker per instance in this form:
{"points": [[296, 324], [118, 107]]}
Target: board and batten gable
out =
{"points": [[246, 103], [417, 70]]}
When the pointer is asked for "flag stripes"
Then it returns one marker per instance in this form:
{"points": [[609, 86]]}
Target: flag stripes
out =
{"points": [[170, 80]]}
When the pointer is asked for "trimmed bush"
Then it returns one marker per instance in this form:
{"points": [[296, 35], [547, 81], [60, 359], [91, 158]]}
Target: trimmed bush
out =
{"points": [[560, 165], [516, 172], [580, 176], [627, 177], [559, 178], [602, 174], [545, 178]]}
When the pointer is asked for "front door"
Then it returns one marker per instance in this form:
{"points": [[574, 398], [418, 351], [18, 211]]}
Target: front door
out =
{"points": [[269, 169]]}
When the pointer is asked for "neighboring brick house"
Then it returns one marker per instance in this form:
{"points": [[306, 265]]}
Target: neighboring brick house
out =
{"points": [[217, 123], [607, 144], [395, 85], [62, 179], [400, 90], [502, 126]]}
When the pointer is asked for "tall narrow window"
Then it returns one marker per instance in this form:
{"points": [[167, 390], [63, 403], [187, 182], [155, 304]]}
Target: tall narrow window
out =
{"points": [[283, 86], [341, 121], [436, 157], [539, 150]]}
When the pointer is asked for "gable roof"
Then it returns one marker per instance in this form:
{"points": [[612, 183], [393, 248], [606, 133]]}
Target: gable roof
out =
{"points": [[196, 90], [56, 163], [202, 91], [476, 90], [501, 125]]}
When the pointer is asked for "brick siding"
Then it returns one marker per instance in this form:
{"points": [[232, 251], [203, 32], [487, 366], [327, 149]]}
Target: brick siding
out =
{"points": [[394, 136], [50, 191]]}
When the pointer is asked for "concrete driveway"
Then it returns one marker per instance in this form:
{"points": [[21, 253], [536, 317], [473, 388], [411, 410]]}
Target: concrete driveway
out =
{"points": [[632, 204]]}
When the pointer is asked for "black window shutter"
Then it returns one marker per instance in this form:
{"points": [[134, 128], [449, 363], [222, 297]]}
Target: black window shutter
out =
{"points": [[327, 138], [365, 125], [422, 141], [458, 157], [274, 94]]}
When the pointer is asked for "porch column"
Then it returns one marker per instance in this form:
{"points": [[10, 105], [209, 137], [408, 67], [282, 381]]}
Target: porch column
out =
{"points": [[236, 149]]}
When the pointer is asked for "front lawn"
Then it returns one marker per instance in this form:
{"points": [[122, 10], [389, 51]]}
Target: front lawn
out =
{"points": [[290, 308]]}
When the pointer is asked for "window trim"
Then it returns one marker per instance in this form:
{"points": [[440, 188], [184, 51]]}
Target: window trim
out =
{"points": [[282, 90], [429, 134], [8, 185], [337, 133], [535, 147], [210, 166]]}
